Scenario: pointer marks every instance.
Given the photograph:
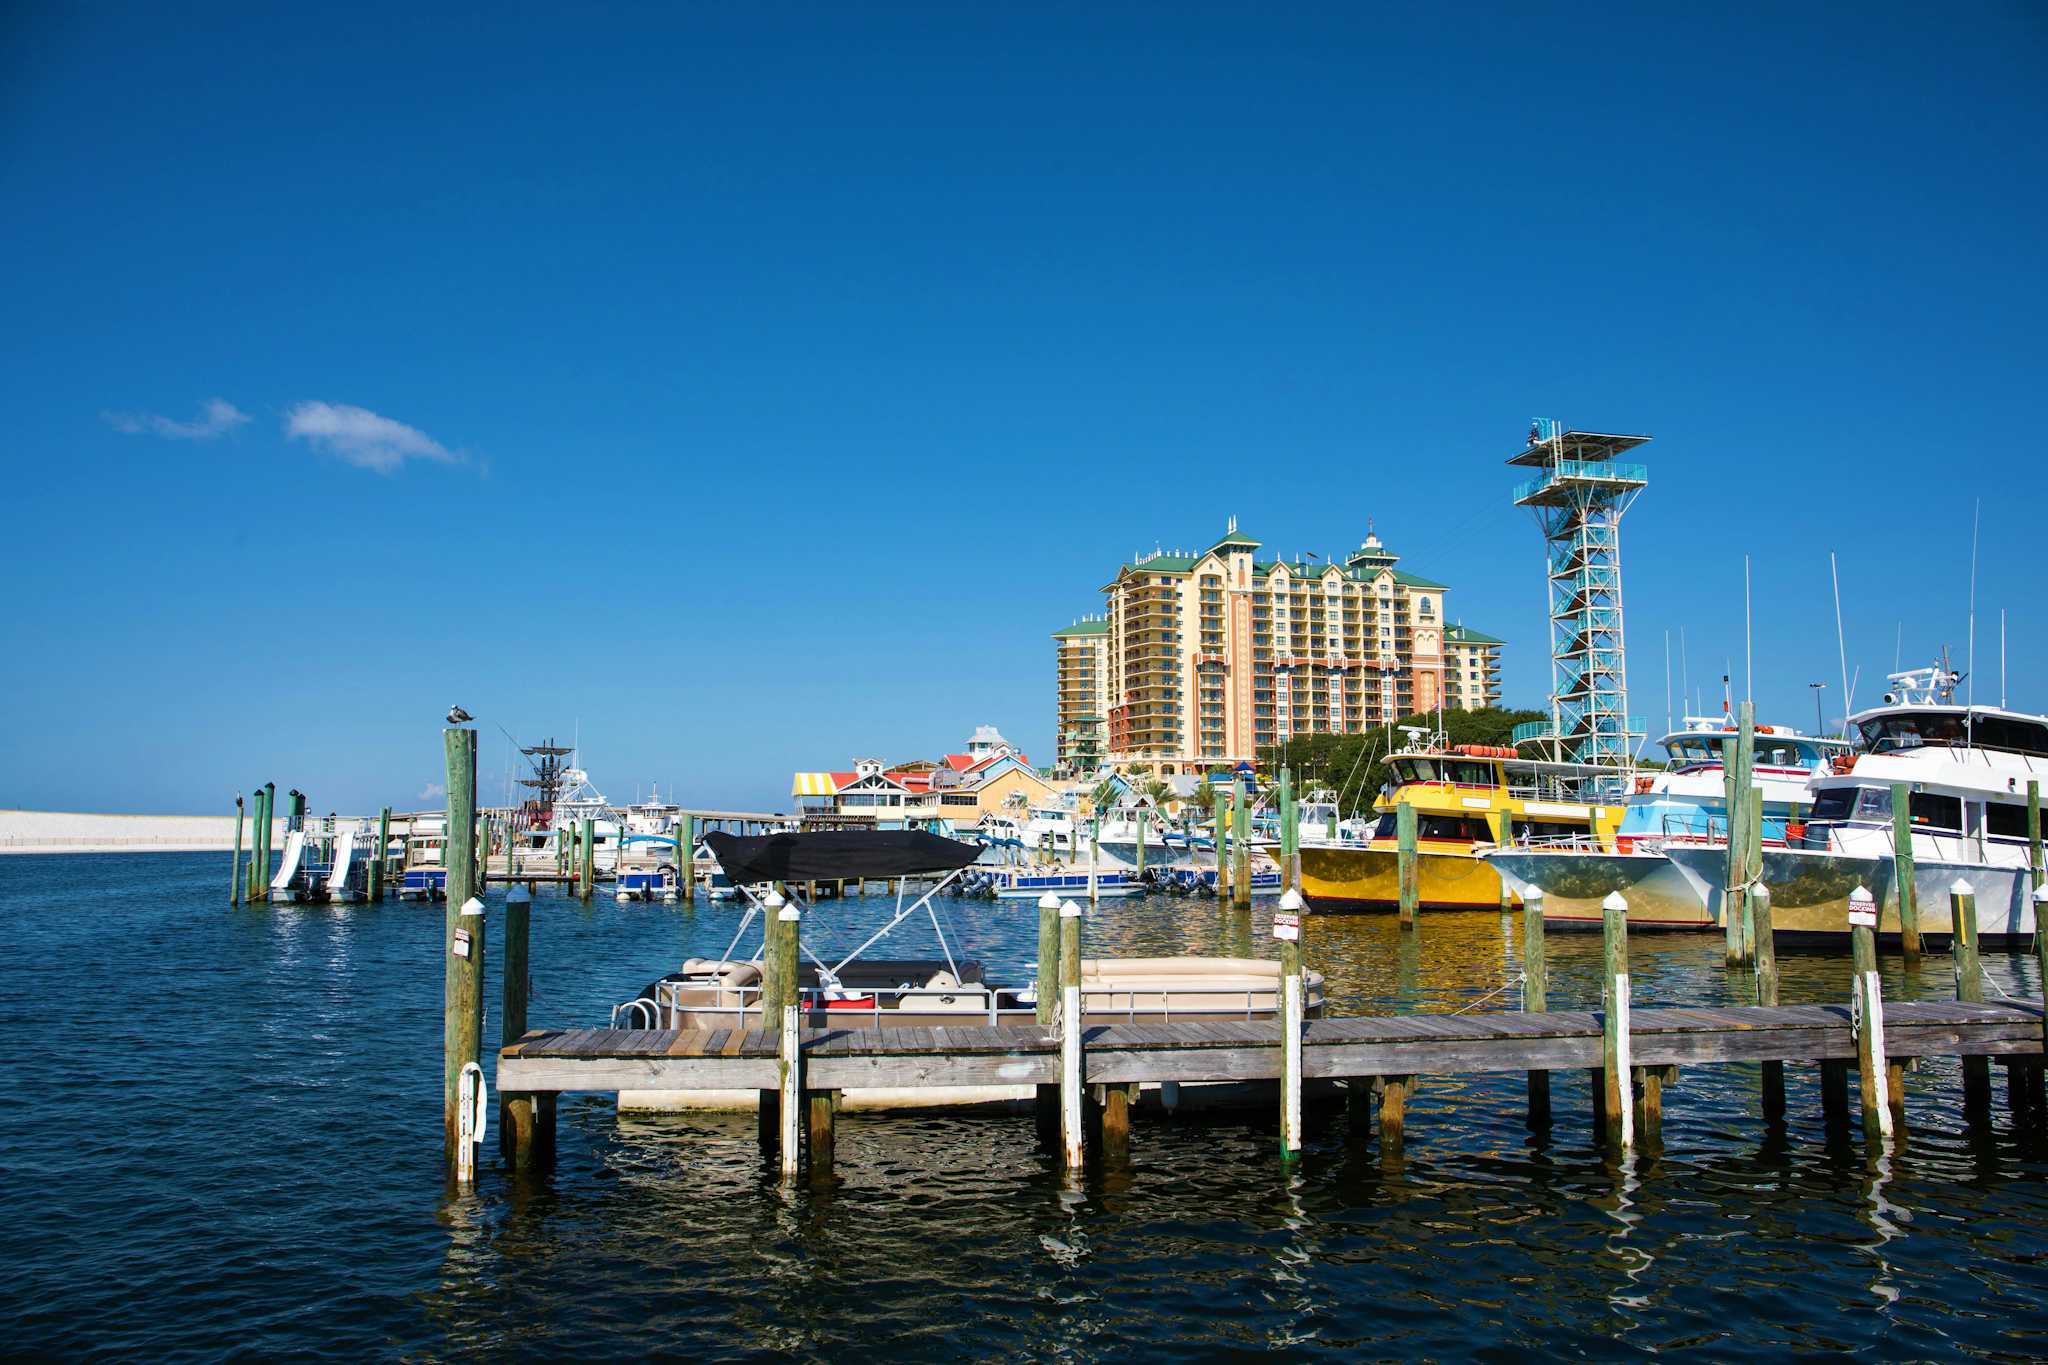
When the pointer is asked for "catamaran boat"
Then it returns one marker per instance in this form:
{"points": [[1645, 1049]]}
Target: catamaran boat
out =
{"points": [[1467, 799], [948, 990], [1966, 770], [1684, 804], [325, 863]]}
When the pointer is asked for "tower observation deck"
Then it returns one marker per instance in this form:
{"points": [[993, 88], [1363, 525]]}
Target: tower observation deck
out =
{"points": [[1578, 496]]}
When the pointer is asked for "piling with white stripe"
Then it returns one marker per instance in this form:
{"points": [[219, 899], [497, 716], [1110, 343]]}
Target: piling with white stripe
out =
{"points": [[1072, 1139], [1867, 1014]]}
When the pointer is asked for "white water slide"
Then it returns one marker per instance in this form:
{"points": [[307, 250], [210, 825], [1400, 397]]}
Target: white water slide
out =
{"points": [[294, 850], [344, 854]]}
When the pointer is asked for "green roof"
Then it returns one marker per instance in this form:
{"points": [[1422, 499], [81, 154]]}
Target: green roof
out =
{"points": [[1465, 635], [1410, 580], [1083, 628], [1165, 564], [1234, 538]]}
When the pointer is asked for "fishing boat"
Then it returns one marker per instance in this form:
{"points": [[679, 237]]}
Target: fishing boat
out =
{"points": [[1684, 803], [1321, 822], [1165, 846], [1466, 799], [947, 990], [1966, 770]]}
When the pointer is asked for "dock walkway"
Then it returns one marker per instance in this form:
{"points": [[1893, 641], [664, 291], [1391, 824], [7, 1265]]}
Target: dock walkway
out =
{"points": [[1125, 1054]]}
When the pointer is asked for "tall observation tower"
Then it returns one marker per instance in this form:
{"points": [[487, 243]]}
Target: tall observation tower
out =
{"points": [[1578, 497]]}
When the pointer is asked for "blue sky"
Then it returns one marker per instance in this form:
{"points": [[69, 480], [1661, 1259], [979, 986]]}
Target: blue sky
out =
{"points": [[751, 387]]}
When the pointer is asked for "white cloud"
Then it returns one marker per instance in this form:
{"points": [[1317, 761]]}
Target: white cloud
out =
{"points": [[430, 791], [218, 417], [362, 438]]}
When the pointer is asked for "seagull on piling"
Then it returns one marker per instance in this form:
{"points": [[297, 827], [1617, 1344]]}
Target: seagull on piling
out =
{"points": [[456, 715]]}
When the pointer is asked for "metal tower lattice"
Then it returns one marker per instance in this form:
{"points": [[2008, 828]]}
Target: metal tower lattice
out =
{"points": [[1578, 499]]}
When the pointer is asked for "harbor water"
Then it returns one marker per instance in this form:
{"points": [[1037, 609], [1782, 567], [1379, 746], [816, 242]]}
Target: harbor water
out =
{"points": [[225, 1138]]}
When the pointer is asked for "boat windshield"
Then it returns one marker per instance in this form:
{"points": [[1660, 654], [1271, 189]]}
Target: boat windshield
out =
{"points": [[1461, 772], [1701, 749], [1895, 731]]}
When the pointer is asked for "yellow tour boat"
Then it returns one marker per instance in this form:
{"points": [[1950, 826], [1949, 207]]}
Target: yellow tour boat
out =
{"points": [[1467, 800]]}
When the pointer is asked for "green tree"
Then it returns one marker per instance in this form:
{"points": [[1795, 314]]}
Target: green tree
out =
{"points": [[1355, 766]]}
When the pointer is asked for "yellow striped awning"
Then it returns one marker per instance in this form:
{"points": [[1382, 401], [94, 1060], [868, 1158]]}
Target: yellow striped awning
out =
{"points": [[813, 784]]}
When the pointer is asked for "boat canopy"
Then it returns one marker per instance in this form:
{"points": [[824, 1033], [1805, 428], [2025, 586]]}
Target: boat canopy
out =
{"points": [[833, 855]]}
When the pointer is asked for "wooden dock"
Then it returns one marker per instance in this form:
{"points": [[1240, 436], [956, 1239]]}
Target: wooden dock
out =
{"points": [[1380, 1057]]}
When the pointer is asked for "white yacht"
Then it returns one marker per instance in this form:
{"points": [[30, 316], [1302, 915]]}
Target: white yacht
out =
{"points": [[1686, 803], [1322, 824], [1966, 769]]}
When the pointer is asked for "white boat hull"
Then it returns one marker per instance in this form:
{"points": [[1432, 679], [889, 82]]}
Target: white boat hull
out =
{"points": [[1575, 882], [1810, 893]]}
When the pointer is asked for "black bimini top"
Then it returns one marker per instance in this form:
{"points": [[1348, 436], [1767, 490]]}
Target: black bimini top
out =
{"points": [[829, 855]]}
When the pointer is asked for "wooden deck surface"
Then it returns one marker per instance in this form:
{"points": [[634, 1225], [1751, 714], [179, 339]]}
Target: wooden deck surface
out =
{"points": [[1408, 1044]]}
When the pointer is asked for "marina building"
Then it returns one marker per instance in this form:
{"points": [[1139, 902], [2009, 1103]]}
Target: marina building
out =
{"points": [[1205, 657], [988, 777]]}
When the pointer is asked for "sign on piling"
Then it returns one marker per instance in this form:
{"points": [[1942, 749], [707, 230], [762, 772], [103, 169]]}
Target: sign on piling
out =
{"points": [[462, 996]]}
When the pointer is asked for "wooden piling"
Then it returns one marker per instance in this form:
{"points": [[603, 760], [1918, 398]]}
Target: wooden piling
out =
{"points": [[687, 869], [1962, 910], [1047, 991], [1834, 1095], [789, 1053], [1394, 1092], [1617, 1086], [1407, 863], [1072, 1139], [1902, 872], [462, 998], [2041, 960], [1766, 960], [1141, 842], [1753, 846], [1867, 1011], [1116, 1123], [1241, 848], [587, 848], [379, 858], [821, 1110], [1287, 929], [259, 885], [1222, 847], [1286, 830], [526, 1122], [235, 881], [1535, 995]]}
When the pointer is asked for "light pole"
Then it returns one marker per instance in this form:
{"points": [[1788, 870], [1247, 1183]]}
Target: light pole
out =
{"points": [[1819, 725]]}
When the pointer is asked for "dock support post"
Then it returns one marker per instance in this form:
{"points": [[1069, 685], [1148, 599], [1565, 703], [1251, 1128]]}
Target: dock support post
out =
{"points": [[1737, 755], [1766, 957], [1834, 1096], [235, 881], [1287, 929], [1072, 1142], [1222, 847], [526, 1122], [687, 868], [378, 858], [1962, 909], [259, 874], [821, 1109], [1141, 843], [2041, 965], [1406, 859], [1241, 848], [790, 1092], [1048, 994], [1902, 872], [1116, 1123], [587, 847], [1394, 1091], [1617, 1086], [1867, 1012], [462, 999], [1648, 1083], [1753, 845], [1287, 831], [1535, 995], [1094, 859]]}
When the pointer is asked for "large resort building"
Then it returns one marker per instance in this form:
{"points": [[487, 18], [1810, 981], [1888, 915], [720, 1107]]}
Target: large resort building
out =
{"points": [[1203, 658]]}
